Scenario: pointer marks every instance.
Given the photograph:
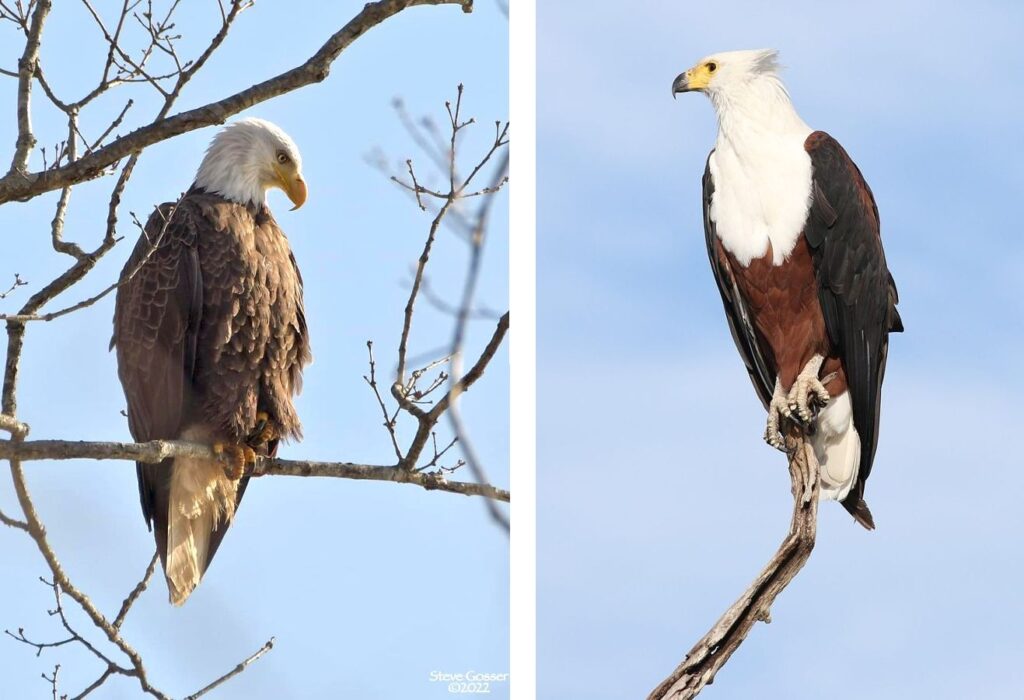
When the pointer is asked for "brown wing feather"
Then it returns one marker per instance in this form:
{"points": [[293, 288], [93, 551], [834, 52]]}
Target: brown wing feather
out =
{"points": [[157, 315]]}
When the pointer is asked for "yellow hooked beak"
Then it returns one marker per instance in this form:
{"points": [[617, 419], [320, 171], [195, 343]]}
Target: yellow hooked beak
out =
{"points": [[294, 186], [697, 78]]}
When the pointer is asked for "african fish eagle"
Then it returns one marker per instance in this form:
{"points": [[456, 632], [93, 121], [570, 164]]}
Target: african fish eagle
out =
{"points": [[793, 237], [211, 341]]}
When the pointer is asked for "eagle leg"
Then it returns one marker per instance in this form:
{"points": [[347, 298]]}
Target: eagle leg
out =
{"points": [[808, 393], [264, 431], [236, 458], [778, 410]]}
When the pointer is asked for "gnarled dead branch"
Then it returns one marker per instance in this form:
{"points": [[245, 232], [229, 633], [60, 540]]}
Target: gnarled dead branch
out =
{"points": [[713, 650]]}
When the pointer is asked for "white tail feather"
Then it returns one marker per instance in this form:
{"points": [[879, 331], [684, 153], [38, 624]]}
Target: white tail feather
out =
{"points": [[837, 448], [202, 499]]}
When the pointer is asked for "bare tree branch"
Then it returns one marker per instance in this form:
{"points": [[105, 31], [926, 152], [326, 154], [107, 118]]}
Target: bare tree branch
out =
{"points": [[61, 580], [443, 153], [129, 601], [235, 671], [714, 649], [53, 681], [53, 289], [20, 186], [389, 419], [12, 522], [14, 427], [477, 240], [410, 306], [159, 450], [26, 72], [428, 419], [110, 666], [477, 312], [78, 158], [18, 282]]}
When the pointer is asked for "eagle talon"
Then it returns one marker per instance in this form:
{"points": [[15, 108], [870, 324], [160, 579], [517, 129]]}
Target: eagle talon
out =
{"points": [[808, 393], [237, 458], [778, 411], [775, 439], [263, 433]]}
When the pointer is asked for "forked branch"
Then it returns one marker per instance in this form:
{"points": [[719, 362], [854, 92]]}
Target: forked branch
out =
{"points": [[445, 203]]}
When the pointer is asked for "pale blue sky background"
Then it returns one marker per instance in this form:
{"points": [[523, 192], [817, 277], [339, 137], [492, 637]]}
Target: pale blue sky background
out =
{"points": [[368, 587], [658, 501]]}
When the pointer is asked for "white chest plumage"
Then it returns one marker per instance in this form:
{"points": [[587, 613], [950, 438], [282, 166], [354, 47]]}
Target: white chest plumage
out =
{"points": [[762, 194]]}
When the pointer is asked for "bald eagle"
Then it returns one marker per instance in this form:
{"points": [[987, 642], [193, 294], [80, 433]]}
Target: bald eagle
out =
{"points": [[793, 237], [211, 341]]}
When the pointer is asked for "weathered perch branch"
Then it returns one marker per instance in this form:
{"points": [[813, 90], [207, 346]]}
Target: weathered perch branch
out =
{"points": [[714, 649], [159, 450]]}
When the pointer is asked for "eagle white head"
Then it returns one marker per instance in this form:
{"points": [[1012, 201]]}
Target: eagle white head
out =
{"points": [[247, 158], [744, 87], [728, 71]]}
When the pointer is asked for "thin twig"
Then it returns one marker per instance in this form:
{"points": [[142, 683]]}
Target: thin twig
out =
{"points": [[477, 241], [389, 421], [38, 646], [435, 300], [165, 212], [12, 522], [235, 671], [410, 305], [18, 282], [53, 681], [74, 636], [129, 601]]}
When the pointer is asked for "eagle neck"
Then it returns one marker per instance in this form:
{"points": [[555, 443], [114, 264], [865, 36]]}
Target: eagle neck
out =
{"points": [[229, 170], [761, 171], [755, 109]]}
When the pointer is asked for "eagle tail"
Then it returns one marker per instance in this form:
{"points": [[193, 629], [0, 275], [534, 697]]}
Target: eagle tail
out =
{"points": [[202, 500], [858, 508], [838, 449]]}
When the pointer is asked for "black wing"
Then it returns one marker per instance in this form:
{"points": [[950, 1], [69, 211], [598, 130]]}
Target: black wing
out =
{"points": [[857, 293], [157, 315], [757, 356]]}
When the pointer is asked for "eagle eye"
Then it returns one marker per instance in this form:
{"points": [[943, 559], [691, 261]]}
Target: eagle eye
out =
{"points": [[712, 67], [282, 157]]}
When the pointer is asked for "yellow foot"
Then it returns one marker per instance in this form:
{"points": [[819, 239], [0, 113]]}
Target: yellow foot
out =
{"points": [[264, 432], [236, 458]]}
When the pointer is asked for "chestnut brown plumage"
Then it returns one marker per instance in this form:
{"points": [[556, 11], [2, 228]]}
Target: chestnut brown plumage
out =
{"points": [[833, 297], [793, 237]]}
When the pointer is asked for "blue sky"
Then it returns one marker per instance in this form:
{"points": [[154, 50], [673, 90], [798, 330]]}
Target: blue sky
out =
{"points": [[368, 587], [657, 500]]}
